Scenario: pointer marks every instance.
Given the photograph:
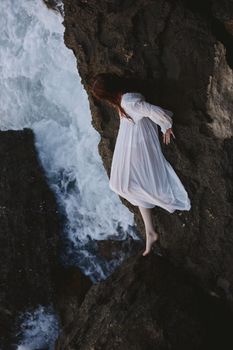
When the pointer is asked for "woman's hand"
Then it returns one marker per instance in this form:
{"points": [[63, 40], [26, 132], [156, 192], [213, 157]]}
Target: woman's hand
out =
{"points": [[167, 135]]}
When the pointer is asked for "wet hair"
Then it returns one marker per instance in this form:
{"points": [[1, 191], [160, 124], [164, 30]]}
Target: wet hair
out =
{"points": [[109, 87]]}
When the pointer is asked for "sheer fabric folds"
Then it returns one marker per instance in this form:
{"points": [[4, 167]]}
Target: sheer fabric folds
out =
{"points": [[139, 171]]}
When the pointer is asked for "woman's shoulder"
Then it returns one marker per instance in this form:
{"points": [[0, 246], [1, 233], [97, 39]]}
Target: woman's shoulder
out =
{"points": [[131, 97]]}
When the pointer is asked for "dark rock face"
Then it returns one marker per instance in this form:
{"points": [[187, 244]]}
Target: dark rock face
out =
{"points": [[29, 232], [30, 245], [110, 249], [71, 288], [182, 52], [55, 5], [148, 304]]}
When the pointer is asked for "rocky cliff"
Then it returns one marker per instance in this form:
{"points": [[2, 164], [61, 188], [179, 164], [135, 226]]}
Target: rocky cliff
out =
{"points": [[148, 304], [180, 54], [29, 232], [30, 273]]}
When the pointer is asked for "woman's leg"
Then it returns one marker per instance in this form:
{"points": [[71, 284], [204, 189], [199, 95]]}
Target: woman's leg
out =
{"points": [[151, 234]]}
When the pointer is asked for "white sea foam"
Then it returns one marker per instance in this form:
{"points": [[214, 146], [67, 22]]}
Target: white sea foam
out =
{"points": [[39, 329]]}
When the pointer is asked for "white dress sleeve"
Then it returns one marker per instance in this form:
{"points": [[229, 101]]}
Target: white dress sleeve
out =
{"points": [[158, 115]]}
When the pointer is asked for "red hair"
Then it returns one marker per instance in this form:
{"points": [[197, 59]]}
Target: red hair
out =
{"points": [[110, 87]]}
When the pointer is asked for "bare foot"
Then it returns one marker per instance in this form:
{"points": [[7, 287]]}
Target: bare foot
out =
{"points": [[151, 237]]}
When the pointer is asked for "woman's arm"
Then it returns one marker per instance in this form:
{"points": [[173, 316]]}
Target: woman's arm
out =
{"points": [[158, 115]]}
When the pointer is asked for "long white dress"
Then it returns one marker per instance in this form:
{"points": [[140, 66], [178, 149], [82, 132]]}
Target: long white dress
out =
{"points": [[139, 171]]}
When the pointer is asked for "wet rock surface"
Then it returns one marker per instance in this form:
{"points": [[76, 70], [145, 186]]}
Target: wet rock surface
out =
{"points": [[109, 249], [180, 55], [30, 244], [71, 286], [148, 304], [29, 232]]}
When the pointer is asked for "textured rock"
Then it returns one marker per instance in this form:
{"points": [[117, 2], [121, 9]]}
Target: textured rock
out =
{"points": [[71, 288], [148, 304], [30, 273], [110, 249], [182, 51], [29, 232]]}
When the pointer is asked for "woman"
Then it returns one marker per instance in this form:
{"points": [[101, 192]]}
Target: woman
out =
{"points": [[139, 171]]}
